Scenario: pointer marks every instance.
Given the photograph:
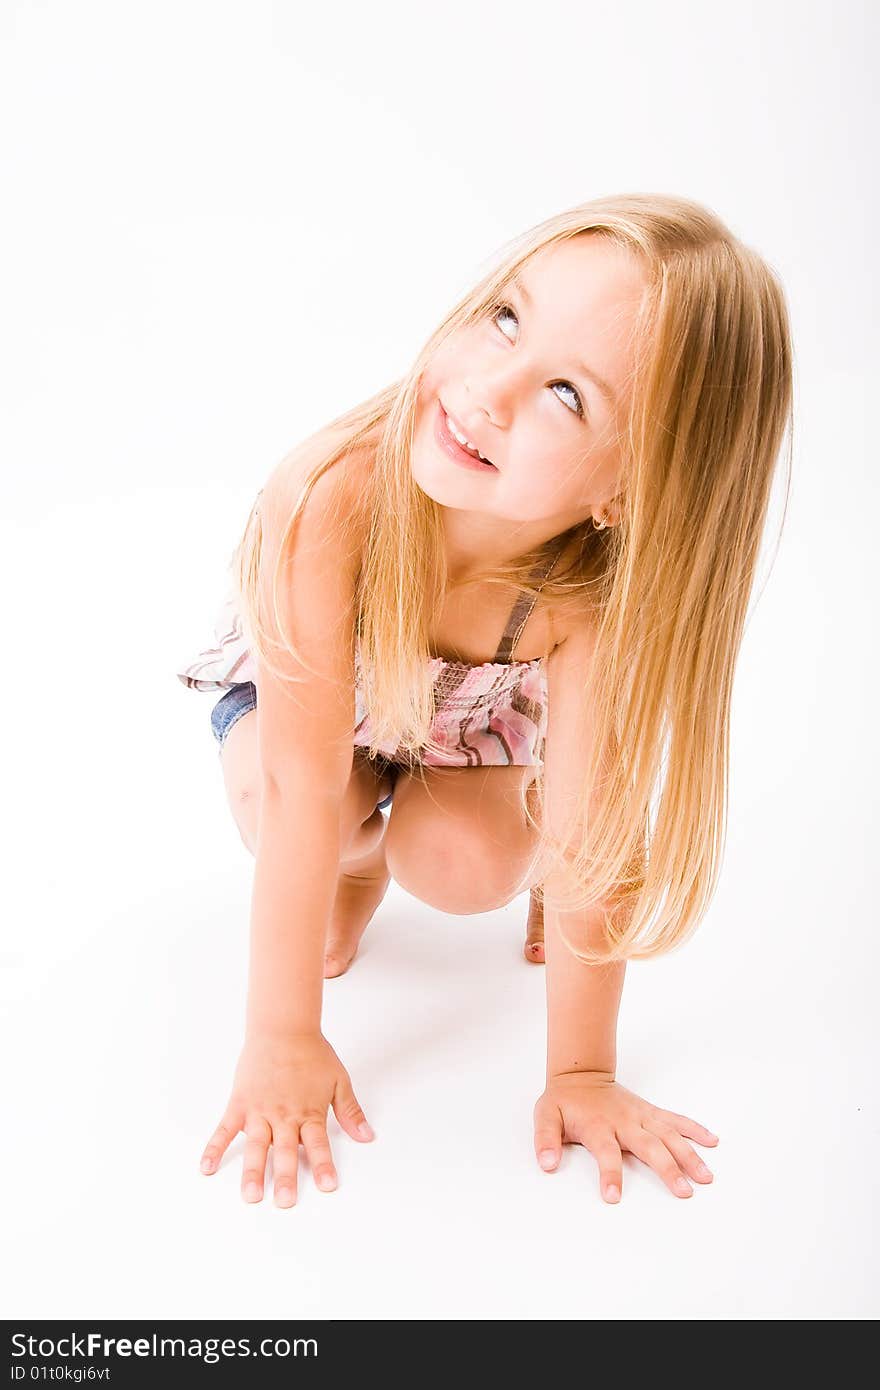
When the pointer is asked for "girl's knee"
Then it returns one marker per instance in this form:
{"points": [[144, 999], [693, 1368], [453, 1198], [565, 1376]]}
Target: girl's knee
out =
{"points": [[457, 840], [446, 876]]}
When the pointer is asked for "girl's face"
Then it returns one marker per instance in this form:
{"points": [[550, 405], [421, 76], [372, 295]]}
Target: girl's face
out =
{"points": [[519, 384]]}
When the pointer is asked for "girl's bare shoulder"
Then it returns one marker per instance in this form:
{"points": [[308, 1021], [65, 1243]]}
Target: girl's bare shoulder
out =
{"points": [[339, 491], [315, 604], [567, 615]]}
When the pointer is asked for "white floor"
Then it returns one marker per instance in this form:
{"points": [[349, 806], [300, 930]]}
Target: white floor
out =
{"points": [[123, 979], [186, 301]]}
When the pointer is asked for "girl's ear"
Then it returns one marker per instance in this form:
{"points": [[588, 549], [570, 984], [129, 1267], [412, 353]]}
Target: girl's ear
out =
{"points": [[608, 514]]}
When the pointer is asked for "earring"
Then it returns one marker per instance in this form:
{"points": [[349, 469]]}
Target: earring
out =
{"points": [[600, 525]]}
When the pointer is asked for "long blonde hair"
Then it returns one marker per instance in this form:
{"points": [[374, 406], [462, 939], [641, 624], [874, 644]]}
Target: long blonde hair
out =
{"points": [[666, 590]]}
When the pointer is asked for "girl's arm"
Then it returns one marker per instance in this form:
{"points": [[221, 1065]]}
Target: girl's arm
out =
{"points": [[288, 1074], [294, 888], [582, 1001], [582, 1101], [304, 730]]}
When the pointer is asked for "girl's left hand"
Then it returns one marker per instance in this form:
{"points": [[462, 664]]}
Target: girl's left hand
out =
{"points": [[590, 1108]]}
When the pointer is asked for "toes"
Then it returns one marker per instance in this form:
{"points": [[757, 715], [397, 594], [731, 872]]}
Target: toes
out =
{"points": [[335, 964], [534, 947]]}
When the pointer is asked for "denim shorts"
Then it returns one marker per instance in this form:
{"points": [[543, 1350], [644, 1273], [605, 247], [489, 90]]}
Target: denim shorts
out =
{"points": [[239, 700], [242, 698]]}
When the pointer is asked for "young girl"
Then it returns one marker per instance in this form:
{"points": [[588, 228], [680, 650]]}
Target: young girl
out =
{"points": [[505, 597]]}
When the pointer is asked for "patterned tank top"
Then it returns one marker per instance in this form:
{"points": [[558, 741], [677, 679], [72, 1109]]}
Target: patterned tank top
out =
{"points": [[491, 713]]}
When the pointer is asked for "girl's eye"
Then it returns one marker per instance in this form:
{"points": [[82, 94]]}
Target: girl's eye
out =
{"points": [[504, 310]]}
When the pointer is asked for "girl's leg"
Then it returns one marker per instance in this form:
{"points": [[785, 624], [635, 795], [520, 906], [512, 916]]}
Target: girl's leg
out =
{"points": [[363, 882], [364, 873], [239, 759], [457, 840]]}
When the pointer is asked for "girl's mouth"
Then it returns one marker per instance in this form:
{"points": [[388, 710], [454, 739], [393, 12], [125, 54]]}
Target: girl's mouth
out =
{"points": [[457, 452]]}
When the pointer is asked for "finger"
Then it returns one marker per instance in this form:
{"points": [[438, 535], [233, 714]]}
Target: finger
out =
{"points": [[548, 1135], [314, 1136], [689, 1161], [606, 1152], [285, 1162], [220, 1140], [654, 1152], [349, 1113], [691, 1128], [255, 1152]]}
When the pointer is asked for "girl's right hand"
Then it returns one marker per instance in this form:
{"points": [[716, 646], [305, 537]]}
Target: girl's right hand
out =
{"points": [[280, 1095]]}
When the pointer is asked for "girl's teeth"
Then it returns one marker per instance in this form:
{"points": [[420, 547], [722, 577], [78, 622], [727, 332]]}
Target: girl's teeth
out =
{"points": [[465, 443]]}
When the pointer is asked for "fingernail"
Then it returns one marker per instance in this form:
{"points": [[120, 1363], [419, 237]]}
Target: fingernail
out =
{"points": [[252, 1192], [683, 1186], [326, 1182], [547, 1158], [284, 1197], [612, 1193], [364, 1129], [207, 1165], [703, 1171]]}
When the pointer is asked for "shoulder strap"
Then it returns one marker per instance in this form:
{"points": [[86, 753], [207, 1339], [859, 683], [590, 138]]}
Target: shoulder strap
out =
{"points": [[519, 614]]}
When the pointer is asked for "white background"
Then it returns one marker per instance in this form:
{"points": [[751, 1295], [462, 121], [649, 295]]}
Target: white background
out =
{"points": [[225, 223]]}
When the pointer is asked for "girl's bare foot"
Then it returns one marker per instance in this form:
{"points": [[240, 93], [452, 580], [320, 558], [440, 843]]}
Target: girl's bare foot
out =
{"points": [[361, 888], [534, 947]]}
